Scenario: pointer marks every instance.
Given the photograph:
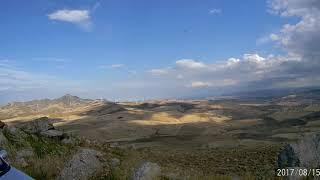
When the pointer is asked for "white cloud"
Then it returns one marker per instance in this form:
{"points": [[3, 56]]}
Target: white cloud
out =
{"points": [[274, 37], [215, 11], [78, 17], [189, 63], [200, 84], [298, 68], [232, 61], [158, 72], [117, 65], [112, 66], [253, 57], [250, 70], [302, 37]]}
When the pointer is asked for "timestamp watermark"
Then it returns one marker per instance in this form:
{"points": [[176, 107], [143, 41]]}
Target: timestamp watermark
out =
{"points": [[301, 172]]}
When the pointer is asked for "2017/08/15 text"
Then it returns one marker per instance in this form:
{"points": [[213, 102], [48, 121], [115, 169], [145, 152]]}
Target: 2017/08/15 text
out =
{"points": [[304, 172]]}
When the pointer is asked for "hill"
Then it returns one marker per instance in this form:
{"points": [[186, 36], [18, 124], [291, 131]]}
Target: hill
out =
{"points": [[56, 106]]}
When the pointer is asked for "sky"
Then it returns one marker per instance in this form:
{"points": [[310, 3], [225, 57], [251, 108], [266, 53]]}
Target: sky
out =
{"points": [[147, 49]]}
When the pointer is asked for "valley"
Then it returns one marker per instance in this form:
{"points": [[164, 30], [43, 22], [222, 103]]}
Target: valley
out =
{"points": [[187, 138]]}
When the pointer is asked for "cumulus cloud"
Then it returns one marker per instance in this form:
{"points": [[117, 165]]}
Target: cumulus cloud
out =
{"points": [[298, 68], [78, 17], [302, 37], [249, 72]]}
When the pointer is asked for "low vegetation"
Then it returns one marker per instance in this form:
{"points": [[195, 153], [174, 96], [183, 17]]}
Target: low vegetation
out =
{"points": [[220, 139]]}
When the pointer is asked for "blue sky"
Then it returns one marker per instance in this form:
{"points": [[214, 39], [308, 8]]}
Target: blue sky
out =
{"points": [[101, 44]]}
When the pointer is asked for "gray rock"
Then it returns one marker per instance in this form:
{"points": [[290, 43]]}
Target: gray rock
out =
{"points": [[287, 157], [69, 141], [36, 125], [3, 139], [83, 165], [16, 135], [114, 162], [2, 124], [12, 130], [308, 151], [147, 171], [52, 133]]}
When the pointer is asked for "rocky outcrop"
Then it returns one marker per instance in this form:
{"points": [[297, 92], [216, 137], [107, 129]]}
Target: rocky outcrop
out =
{"points": [[36, 126], [147, 171], [15, 135], [308, 151], [83, 165], [42, 126], [304, 153], [287, 157], [52, 133]]}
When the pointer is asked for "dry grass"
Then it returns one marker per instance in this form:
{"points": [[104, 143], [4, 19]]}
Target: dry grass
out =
{"points": [[47, 167], [201, 143], [48, 159]]}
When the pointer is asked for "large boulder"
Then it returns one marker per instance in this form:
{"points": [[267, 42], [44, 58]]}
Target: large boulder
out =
{"points": [[36, 126], [147, 171], [287, 157], [308, 151], [304, 153], [83, 165]]}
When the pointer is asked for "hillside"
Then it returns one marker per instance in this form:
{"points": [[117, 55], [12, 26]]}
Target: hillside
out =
{"points": [[59, 106], [186, 138]]}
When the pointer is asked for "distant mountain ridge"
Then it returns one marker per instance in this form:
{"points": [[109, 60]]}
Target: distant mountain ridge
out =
{"points": [[67, 100], [59, 105], [307, 93]]}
